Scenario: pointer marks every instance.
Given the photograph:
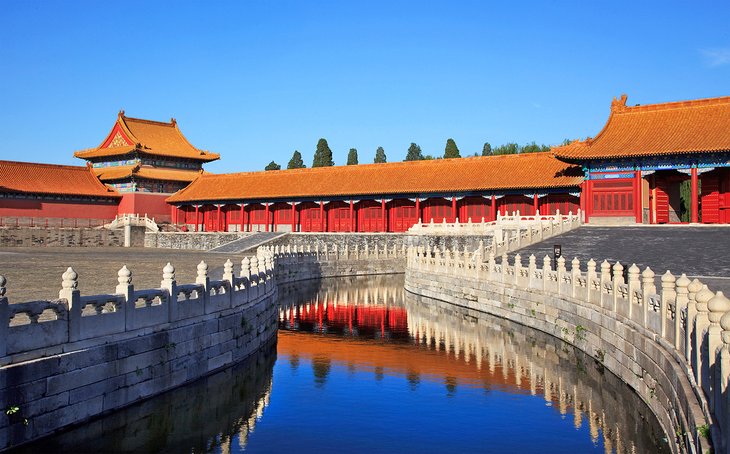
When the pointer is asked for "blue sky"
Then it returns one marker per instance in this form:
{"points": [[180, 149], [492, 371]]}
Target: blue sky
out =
{"points": [[256, 80]]}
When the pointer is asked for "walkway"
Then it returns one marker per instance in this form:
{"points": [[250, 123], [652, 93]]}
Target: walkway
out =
{"points": [[697, 251]]}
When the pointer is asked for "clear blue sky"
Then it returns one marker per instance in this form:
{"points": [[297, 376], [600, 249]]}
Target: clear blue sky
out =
{"points": [[254, 81]]}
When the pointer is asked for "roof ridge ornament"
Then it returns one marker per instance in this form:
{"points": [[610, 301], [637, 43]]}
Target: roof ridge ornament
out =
{"points": [[619, 105], [121, 112]]}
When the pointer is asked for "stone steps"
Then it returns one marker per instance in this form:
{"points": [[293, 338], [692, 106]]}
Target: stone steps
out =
{"points": [[248, 243]]}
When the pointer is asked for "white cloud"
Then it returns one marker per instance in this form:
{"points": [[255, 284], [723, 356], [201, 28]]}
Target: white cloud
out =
{"points": [[716, 57]]}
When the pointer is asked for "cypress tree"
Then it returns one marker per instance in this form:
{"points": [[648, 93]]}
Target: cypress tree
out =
{"points": [[414, 153], [296, 161], [272, 166], [487, 149], [352, 157], [451, 150], [323, 155], [380, 156]]}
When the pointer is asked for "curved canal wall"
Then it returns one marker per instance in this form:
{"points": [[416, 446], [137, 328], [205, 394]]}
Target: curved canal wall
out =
{"points": [[670, 344], [67, 360]]}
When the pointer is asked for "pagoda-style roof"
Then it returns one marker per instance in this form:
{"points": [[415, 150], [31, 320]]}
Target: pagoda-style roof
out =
{"points": [[51, 179], [459, 175], [154, 138], [673, 128], [107, 174]]}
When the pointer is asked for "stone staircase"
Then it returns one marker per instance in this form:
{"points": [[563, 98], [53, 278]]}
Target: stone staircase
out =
{"points": [[248, 243]]}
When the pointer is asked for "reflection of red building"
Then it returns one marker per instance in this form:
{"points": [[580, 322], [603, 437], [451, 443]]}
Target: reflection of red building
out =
{"points": [[339, 317]]}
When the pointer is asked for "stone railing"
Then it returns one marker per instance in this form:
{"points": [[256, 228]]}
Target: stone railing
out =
{"points": [[510, 221], [64, 361], [26, 221], [670, 343], [123, 220], [38, 328]]}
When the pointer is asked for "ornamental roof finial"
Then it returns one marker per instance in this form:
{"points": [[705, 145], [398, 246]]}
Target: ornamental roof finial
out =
{"points": [[121, 112], [619, 105]]}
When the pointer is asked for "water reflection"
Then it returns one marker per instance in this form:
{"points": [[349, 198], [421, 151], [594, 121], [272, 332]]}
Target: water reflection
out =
{"points": [[373, 324], [206, 416]]}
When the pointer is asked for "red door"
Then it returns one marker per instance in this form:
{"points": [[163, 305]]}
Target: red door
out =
{"points": [[662, 200], [370, 217], [710, 198], [402, 215]]}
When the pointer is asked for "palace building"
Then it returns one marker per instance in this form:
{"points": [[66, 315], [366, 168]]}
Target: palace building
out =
{"points": [[146, 161], [659, 163]]}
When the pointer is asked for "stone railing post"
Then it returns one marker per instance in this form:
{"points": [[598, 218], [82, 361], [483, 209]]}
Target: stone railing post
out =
{"points": [[491, 265], [717, 306], [202, 279], [667, 306], [169, 284], [254, 280], [4, 318], [575, 277], [228, 276], [702, 322], [634, 287], [618, 280], [648, 288], [125, 287], [680, 308], [694, 287], [546, 267], [70, 292], [246, 274], [517, 279], [605, 280], [723, 409], [561, 271], [591, 275]]}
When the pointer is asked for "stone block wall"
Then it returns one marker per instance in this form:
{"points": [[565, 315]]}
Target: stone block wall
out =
{"points": [[56, 236], [81, 356], [201, 241], [636, 354]]}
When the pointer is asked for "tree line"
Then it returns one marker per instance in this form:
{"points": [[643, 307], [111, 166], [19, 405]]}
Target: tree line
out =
{"points": [[323, 153]]}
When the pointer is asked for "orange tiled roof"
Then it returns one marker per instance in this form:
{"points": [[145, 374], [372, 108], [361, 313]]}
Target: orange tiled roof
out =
{"points": [[150, 173], [30, 177], [684, 127], [147, 137], [534, 170]]}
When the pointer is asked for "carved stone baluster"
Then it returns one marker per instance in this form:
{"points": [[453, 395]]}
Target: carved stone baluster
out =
{"points": [[648, 288], [618, 280], [4, 317], [575, 276], [694, 287], [702, 322], [70, 293], [717, 306], [634, 287], [668, 298], [680, 320]]}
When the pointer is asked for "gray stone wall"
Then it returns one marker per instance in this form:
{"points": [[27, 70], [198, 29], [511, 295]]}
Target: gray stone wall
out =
{"points": [[89, 377], [200, 241], [56, 236], [646, 363]]}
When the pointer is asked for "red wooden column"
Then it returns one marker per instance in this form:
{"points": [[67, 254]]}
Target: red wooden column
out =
{"points": [[694, 205], [493, 209], [638, 199], [266, 216], [243, 213], [321, 217], [588, 196], [382, 214], [453, 208], [197, 223], [293, 217], [220, 224], [174, 215], [418, 210], [535, 203], [352, 216]]}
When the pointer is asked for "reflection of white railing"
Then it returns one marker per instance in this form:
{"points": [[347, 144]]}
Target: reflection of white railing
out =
{"points": [[681, 315], [122, 220], [28, 329]]}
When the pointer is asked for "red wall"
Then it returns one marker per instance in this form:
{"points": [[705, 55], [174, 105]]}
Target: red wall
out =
{"points": [[151, 203], [39, 208]]}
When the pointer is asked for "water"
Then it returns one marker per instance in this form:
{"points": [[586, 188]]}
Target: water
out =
{"points": [[361, 366]]}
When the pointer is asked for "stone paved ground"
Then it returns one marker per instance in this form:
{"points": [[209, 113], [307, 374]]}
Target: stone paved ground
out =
{"points": [[702, 252], [35, 273]]}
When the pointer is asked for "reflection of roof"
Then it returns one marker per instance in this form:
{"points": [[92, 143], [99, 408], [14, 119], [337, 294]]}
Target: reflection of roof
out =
{"points": [[534, 170], [428, 364], [146, 137], [33, 178], [701, 125], [150, 173]]}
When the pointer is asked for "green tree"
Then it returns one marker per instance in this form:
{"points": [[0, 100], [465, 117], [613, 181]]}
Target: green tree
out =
{"points": [[414, 153], [352, 157], [380, 156], [451, 150], [531, 147], [566, 142], [487, 149], [272, 166], [296, 161], [508, 148], [323, 155]]}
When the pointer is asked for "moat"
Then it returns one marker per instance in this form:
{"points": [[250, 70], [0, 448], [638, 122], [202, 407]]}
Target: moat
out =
{"points": [[362, 366]]}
